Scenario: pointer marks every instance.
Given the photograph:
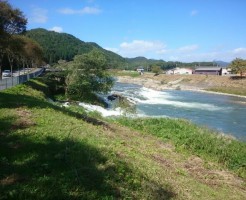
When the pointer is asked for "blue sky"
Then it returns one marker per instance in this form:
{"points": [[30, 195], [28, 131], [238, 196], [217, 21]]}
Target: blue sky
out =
{"points": [[172, 30]]}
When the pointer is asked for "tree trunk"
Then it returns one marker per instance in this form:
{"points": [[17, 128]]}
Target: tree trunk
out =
{"points": [[11, 60], [1, 61]]}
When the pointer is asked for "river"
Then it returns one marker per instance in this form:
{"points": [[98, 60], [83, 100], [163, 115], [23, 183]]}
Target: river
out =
{"points": [[223, 113]]}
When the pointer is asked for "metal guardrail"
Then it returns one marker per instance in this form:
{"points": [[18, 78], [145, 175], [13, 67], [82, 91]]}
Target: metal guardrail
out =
{"points": [[12, 81]]}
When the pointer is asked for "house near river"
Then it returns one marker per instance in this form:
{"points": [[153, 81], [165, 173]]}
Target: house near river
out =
{"points": [[201, 70], [140, 70], [212, 71], [179, 71]]}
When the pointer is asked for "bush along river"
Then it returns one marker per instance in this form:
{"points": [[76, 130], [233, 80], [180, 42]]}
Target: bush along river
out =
{"points": [[223, 113]]}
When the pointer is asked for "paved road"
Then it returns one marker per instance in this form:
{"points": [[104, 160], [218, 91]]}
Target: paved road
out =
{"points": [[21, 72]]}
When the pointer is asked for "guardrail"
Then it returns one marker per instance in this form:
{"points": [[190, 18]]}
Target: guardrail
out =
{"points": [[12, 81]]}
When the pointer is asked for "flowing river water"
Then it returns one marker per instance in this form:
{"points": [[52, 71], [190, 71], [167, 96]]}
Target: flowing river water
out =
{"points": [[223, 113]]}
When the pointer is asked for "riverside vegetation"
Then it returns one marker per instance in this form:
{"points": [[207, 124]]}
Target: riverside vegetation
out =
{"points": [[51, 152]]}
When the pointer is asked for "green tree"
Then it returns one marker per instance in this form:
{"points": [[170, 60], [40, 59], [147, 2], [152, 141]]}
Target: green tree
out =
{"points": [[156, 69], [238, 66], [33, 52], [12, 21], [13, 50], [88, 76], [23, 50]]}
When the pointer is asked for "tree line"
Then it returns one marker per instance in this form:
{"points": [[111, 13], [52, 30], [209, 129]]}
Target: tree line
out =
{"points": [[15, 48], [81, 78], [148, 64]]}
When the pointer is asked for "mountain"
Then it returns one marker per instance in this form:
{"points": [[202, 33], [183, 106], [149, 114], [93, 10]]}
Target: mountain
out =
{"points": [[148, 63], [144, 62], [63, 46], [222, 63]]}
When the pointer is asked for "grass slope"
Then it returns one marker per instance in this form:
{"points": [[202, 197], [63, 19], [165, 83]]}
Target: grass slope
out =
{"points": [[50, 152]]}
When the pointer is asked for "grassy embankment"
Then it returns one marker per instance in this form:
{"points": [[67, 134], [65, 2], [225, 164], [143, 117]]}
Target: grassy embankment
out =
{"points": [[132, 74], [221, 84], [200, 141], [235, 85], [50, 152], [229, 90]]}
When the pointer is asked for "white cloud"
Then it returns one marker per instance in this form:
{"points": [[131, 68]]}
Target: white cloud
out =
{"points": [[141, 47], [193, 13], [188, 48], [226, 56], [38, 15], [57, 29], [198, 57], [162, 51], [188, 53], [240, 52], [83, 11]]}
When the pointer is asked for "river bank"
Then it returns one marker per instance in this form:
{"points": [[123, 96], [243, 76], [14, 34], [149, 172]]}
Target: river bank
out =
{"points": [[223, 85], [55, 152]]}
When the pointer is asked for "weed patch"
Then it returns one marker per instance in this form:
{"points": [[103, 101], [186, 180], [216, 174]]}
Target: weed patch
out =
{"points": [[231, 153]]}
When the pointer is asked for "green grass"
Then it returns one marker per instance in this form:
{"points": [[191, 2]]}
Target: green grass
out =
{"points": [[200, 141], [125, 73], [48, 152], [229, 90], [51, 152]]}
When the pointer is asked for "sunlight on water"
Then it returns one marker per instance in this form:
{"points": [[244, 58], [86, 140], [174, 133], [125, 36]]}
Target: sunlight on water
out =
{"points": [[163, 98], [220, 112]]}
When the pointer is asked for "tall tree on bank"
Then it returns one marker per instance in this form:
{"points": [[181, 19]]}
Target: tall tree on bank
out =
{"points": [[238, 66], [26, 51], [12, 21], [88, 76], [33, 52]]}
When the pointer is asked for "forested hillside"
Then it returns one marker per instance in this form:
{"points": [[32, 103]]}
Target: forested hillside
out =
{"points": [[57, 46], [63, 46], [149, 63]]}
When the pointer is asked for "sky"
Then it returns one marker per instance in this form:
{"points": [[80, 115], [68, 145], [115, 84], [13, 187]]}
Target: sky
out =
{"points": [[172, 30]]}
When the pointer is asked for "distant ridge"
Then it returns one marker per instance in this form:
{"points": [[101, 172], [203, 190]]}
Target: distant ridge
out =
{"points": [[222, 63]]}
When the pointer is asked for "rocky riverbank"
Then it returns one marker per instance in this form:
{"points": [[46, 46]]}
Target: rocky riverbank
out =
{"points": [[200, 83]]}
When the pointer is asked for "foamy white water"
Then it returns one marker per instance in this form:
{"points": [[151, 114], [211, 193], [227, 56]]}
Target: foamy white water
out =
{"points": [[220, 112], [114, 112], [149, 96], [103, 111]]}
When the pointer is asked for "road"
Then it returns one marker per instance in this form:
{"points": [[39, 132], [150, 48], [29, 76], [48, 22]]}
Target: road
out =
{"points": [[21, 72]]}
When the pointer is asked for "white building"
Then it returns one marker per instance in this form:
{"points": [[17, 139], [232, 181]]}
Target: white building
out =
{"points": [[225, 71], [179, 71], [140, 70]]}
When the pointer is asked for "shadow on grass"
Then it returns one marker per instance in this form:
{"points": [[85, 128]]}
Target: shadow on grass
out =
{"points": [[238, 77], [53, 169]]}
